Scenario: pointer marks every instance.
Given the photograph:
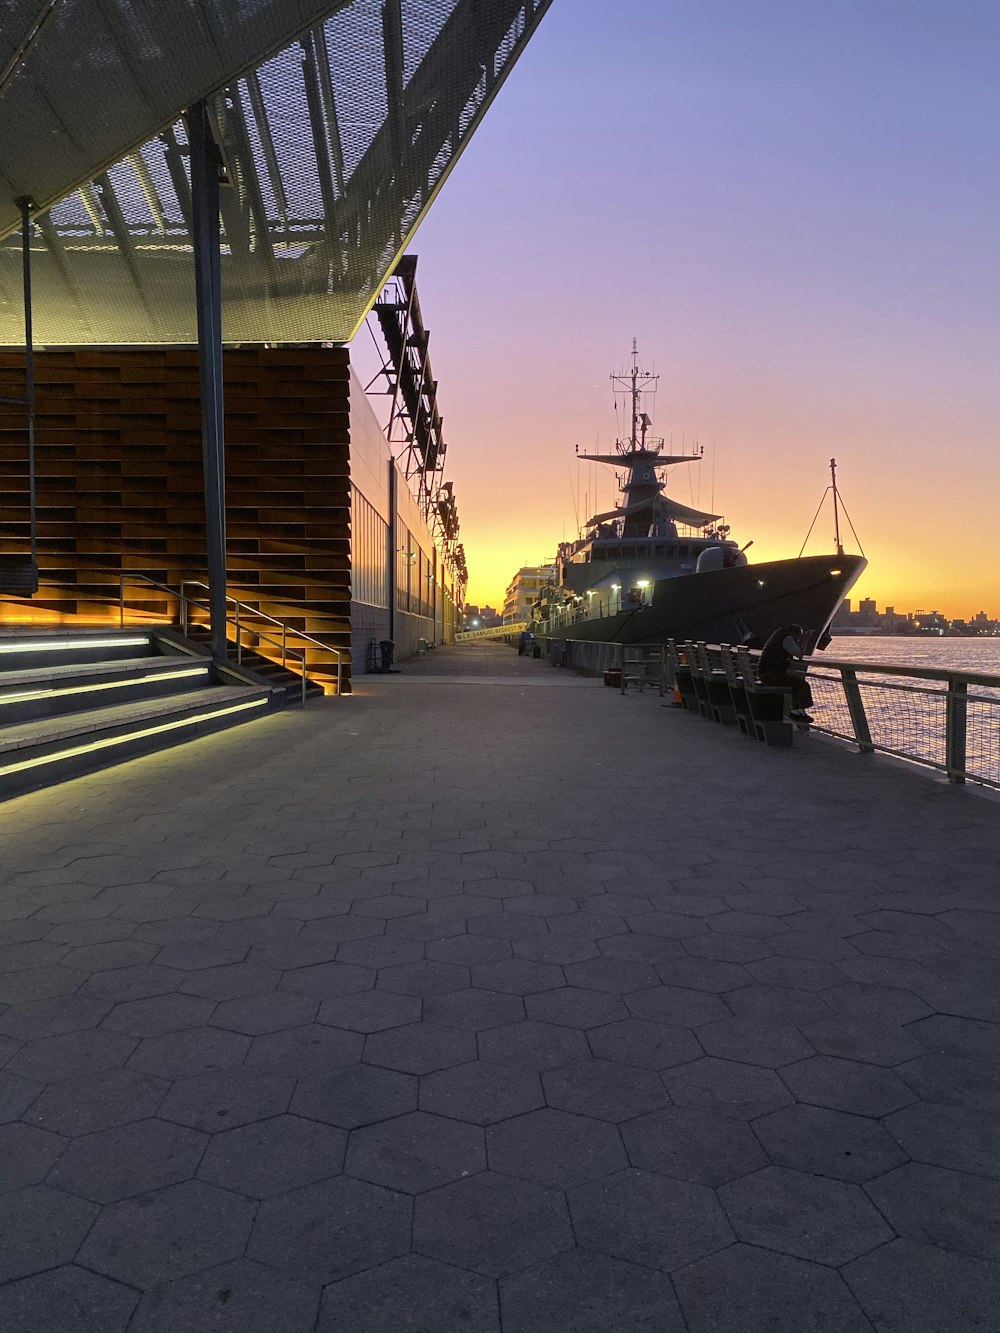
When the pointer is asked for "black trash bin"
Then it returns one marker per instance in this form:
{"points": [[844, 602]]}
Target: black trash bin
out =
{"points": [[386, 648]]}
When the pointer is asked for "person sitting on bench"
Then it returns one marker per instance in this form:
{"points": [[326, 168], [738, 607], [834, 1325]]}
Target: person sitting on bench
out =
{"points": [[782, 648]]}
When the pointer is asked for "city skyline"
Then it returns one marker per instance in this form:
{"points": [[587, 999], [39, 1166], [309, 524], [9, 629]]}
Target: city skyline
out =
{"points": [[790, 209]]}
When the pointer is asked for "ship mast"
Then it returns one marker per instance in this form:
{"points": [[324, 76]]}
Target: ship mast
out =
{"points": [[635, 395], [836, 507], [634, 384]]}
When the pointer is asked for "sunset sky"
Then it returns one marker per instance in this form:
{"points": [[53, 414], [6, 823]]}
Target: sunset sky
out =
{"points": [[794, 207]]}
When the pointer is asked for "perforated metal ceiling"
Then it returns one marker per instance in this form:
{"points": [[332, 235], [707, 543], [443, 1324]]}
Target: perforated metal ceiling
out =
{"points": [[333, 149]]}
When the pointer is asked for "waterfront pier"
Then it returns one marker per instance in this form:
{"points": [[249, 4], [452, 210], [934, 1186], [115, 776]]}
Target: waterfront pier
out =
{"points": [[490, 999]]}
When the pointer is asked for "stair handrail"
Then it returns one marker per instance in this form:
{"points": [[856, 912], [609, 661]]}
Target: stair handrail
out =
{"points": [[185, 600], [262, 615]]}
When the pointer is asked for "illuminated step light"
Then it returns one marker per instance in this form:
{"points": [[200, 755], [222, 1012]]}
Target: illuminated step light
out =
{"points": [[61, 645], [110, 741], [104, 685]]}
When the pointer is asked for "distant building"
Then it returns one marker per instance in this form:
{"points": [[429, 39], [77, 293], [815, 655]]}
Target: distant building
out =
{"points": [[524, 590]]}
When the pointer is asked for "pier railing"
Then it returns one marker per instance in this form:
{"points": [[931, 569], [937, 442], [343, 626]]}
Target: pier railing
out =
{"points": [[944, 719]]}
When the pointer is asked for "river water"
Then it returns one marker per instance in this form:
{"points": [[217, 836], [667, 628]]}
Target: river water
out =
{"points": [[979, 655], [909, 715]]}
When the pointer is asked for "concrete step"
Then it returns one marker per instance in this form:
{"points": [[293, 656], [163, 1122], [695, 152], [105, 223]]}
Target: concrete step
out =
{"points": [[22, 650], [48, 691], [40, 752], [266, 667]]}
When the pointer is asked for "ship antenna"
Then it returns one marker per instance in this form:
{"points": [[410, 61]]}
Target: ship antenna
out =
{"points": [[836, 507], [635, 395]]}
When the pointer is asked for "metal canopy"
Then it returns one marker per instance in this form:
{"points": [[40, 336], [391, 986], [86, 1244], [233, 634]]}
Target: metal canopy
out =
{"points": [[333, 149]]}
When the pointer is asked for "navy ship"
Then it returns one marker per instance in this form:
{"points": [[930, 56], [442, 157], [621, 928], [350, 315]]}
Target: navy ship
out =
{"points": [[653, 569]]}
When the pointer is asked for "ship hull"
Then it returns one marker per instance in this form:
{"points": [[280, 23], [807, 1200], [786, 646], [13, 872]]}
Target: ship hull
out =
{"points": [[737, 606]]}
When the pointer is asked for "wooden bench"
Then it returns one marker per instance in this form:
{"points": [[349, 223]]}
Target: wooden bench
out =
{"points": [[768, 704], [738, 693], [712, 686]]}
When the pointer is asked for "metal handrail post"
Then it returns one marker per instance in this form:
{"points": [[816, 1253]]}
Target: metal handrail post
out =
{"points": [[121, 601], [956, 729], [856, 708], [284, 646]]}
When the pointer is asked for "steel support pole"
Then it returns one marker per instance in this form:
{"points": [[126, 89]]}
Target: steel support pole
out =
{"points": [[29, 375], [392, 540], [205, 164]]}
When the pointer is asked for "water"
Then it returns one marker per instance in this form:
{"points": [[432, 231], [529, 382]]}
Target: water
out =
{"points": [[908, 716], [980, 655]]}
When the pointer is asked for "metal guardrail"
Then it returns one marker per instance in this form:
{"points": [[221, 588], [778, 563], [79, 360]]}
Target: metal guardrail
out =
{"points": [[184, 621], [944, 719], [261, 615]]}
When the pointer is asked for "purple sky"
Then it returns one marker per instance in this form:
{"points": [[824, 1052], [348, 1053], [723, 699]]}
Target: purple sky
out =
{"points": [[794, 207]]}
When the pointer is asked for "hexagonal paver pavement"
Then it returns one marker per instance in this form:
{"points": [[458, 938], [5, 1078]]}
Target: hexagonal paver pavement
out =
{"points": [[410, 1295], [130, 1159], [305, 1052], [71, 1055], [473, 1009], [533, 1045], [555, 1148], [905, 1286], [677, 1004], [327, 1231], [605, 1089], [423, 979], [649, 1219], [828, 1143], [517, 976], [692, 1145], [589, 1293], [27, 1154], [420, 1048], [636, 1041], [481, 1092], [949, 1136], [97, 1305], [847, 1085], [753, 1042], [229, 1097], [953, 1080], [491, 1224], [193, 1051], [153, 1238], [86, 1105], [269, 1157], [804, 1215], [745, 1289], [933, 1206], [40, 1228], [232, 1298], [416, 1152], [356, 1096], [738, 1090], [575, 1007]]}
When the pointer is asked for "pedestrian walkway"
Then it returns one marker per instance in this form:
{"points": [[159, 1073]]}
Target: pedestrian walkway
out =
{"points": [[488, 1000]]}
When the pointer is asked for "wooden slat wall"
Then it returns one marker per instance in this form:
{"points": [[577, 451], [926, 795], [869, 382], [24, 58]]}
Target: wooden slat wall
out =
{"points": [[119, 482]]}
